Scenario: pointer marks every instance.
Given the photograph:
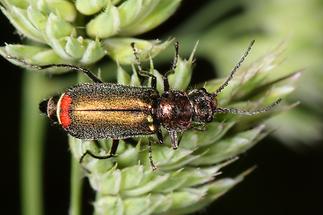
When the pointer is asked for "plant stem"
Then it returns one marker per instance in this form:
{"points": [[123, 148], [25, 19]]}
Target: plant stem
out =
{"points": [[31, 154], [76, 183]]}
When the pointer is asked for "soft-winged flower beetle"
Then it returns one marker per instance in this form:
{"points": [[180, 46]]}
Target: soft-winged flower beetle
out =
{"points": [[100, 110]]}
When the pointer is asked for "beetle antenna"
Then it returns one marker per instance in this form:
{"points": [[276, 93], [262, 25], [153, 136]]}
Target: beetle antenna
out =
{"points": [[141, 72], [237, 66], [67, 66], [249, 113], [174, 63]]}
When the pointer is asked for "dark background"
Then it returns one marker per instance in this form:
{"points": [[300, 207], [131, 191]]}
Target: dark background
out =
{"points": [[285, 181]]}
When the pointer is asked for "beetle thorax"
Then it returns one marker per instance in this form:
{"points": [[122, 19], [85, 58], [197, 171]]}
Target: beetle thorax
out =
{"points": [[175, 111], [203, 104]]}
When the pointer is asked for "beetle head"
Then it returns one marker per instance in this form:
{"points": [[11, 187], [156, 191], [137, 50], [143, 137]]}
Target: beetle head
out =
{"points": [[49, 107], [203, 105]]}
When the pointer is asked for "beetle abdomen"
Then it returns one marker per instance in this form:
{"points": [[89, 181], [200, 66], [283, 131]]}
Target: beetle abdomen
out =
{"points": [[99, 111]]}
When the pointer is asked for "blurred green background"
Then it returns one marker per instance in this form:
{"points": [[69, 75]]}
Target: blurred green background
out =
{"points": [[289, 174]]}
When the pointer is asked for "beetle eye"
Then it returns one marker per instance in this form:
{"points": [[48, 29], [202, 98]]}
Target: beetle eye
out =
{"points": [[203, 90]]}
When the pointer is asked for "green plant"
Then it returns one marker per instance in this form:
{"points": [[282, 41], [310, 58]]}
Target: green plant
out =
{"points": [[62, 32]]}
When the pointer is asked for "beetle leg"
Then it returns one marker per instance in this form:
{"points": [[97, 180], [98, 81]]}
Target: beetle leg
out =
{"points": [[199, 126], [179, 139], [114, 147], [151, 156], [67, 66], [160, 136], [141, 72], [153, 83], [113, 150], [172, 69], [173, 138]]}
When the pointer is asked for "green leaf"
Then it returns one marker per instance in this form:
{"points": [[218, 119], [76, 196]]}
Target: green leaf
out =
{"points": [[120, 49], [230, 147], [19, 18], [151, 15], [106, 24], [89, 7]]}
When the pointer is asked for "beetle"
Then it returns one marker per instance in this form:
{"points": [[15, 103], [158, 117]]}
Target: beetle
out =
{"points": [[100, 110]]}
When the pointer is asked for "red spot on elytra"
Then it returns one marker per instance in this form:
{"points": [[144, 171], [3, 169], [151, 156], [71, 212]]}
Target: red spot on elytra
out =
{"points": [[64, 112]]}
